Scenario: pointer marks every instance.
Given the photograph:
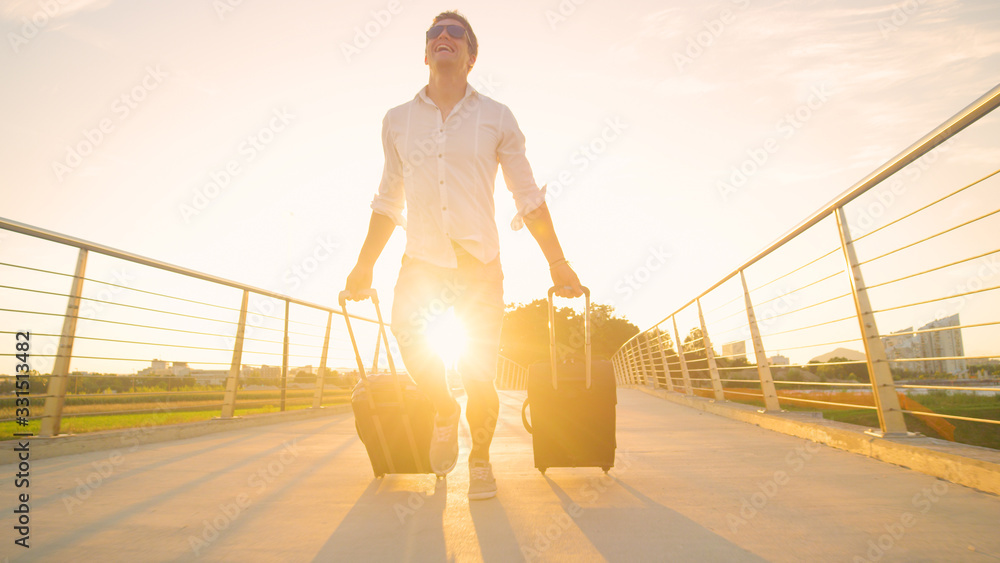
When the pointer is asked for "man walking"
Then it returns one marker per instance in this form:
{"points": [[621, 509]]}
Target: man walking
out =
{"points": [[442, 150]]}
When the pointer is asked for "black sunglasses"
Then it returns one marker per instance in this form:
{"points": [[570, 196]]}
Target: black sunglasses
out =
{"points": [[455, 31]]}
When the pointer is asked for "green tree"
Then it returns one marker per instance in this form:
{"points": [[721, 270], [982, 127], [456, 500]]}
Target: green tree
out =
{"points": [[694, 353], [525, 335], [304, 377], [857, 372]]}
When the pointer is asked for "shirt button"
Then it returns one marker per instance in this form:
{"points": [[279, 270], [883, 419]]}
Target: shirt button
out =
{"points": [[439, 156], [442, 181], [444, 208]]}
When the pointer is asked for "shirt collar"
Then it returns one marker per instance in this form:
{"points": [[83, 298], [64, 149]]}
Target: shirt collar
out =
{"points": [[422, 94]]}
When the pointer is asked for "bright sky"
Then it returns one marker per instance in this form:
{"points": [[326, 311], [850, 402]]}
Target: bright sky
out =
{"points": [[640, 110]]}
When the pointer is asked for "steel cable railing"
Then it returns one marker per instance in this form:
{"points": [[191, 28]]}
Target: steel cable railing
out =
{"points": [[124, 333], [812, 314]]}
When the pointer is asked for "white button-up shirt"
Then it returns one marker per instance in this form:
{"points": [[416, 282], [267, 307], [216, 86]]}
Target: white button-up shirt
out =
{"points": [[443, 171]]}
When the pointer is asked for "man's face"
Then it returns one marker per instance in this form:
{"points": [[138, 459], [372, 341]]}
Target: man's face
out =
{"points": [[445, 50]]}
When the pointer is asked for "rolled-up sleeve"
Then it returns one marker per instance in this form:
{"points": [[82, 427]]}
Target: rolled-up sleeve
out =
{"points": [[516, 170], [391, 198]]}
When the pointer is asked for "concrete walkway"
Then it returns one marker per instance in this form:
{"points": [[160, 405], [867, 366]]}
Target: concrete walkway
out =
{"points": [[688, 486]]}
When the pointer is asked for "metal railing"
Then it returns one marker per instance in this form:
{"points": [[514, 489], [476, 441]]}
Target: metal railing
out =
{"points": [[809, 306], [210, 325], [511, 375]]}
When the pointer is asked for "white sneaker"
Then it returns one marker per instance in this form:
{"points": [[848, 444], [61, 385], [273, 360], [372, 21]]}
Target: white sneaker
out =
{"points": [[482, 485]]}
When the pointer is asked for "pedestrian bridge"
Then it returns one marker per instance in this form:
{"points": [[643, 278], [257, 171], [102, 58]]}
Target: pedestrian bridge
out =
{"points": [[687, 486], [728, 450]]}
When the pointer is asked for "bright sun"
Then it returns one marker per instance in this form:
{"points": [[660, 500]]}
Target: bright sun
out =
{"points": [[447, 337]]}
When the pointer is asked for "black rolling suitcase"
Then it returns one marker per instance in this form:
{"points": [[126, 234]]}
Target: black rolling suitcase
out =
{"points": [[572, 407], [393, 417]]}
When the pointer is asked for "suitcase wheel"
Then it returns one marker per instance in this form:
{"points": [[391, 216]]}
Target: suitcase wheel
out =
{"points": [[542, 469], [606, 469]]}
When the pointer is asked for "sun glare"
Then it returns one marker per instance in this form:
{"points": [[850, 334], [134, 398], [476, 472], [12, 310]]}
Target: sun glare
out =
{"points": [[447, 337]]}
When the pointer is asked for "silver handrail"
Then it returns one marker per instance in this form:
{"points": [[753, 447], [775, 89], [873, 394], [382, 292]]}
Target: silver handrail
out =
{"points": [[52, 236], [883, 389], [55, 395]]}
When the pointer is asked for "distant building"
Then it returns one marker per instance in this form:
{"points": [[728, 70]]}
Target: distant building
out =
{"points": [[210, 377], [158, 368], [735, 350], [933, 340], [943, 344], [903, 344], [272, 372], [778, 360]]}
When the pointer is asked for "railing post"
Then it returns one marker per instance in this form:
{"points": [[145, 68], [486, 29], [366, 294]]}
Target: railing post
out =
{"points": [[890, 416], [635, 360], [713, 369], [321, 375], [623, 365], [640, 358], [664, 358], [648, 367], [56, 393], [763, 368], [284, 359], [622, 368], [655, 331], [232, 382], [680, 354], [627, 363]]}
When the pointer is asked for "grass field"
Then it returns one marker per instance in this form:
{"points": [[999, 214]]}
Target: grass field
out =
{"points": [[972, 433], [982, 434], [97, 412]]}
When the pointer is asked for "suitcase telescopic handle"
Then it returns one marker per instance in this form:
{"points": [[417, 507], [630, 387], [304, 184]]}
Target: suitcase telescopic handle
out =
{"points": [[552, 335], [369, 293], [383, 337]]}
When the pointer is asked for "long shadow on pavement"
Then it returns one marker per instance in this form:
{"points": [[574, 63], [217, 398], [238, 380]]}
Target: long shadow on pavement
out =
{"points": [[391, 521], [625, 525]]}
